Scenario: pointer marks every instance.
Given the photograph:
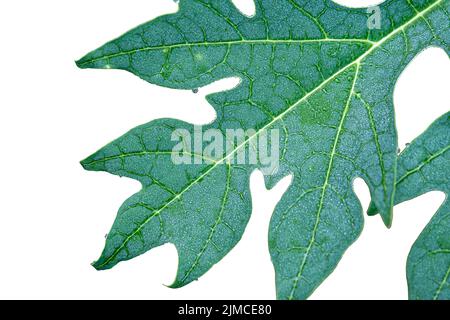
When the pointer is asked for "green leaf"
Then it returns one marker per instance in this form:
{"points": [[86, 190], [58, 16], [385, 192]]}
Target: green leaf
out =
{"points": [[312, 70], [424, 166], [202, 209]]}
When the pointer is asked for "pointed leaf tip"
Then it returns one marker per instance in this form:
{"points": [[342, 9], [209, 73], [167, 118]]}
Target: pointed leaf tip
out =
{"points": [[388, 220], [87, 163], [83, 63]]}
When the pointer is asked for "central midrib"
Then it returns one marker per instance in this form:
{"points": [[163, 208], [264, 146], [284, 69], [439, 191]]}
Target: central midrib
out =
{"points": [[325, 184], [224, 43], [276, 119]]}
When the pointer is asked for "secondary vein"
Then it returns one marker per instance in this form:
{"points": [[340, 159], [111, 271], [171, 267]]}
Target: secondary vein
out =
{"points": [[325, 185]]}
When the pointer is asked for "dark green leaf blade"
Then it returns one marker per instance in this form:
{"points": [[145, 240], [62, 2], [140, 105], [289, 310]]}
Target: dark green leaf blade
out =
{"points": [[423, 167], [326, 86], [201, 209]]}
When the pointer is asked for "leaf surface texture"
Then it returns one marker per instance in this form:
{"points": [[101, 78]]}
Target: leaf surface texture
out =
{"points": [[311, 69], [424, 166]]}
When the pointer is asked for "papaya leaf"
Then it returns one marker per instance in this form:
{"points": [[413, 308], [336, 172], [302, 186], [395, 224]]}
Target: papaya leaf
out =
{"points": [[424, 166], [312, 71]]}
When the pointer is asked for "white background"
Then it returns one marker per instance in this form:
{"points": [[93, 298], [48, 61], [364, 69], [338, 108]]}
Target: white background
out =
{"points": [[54, 215]]}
